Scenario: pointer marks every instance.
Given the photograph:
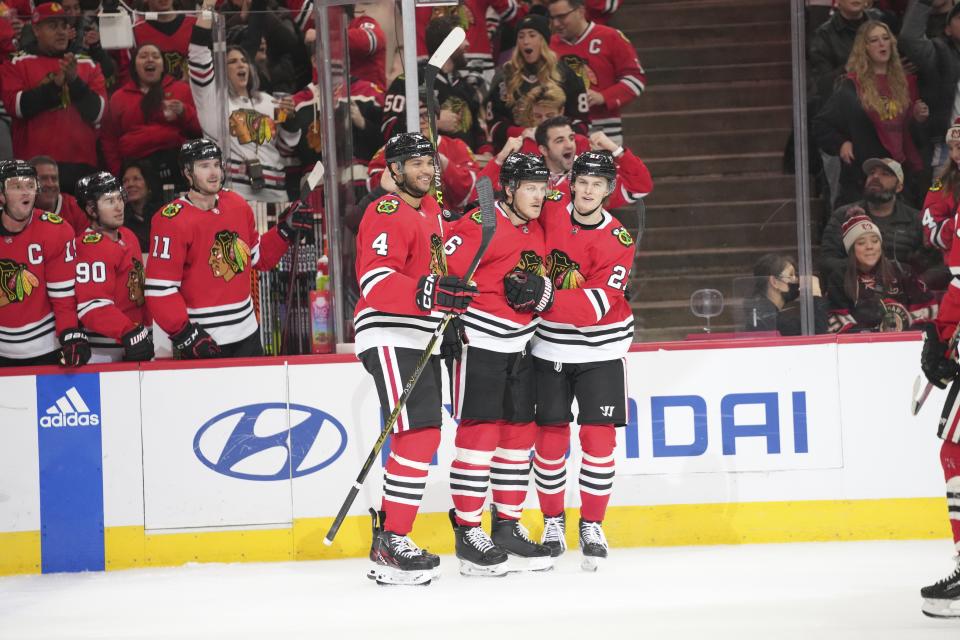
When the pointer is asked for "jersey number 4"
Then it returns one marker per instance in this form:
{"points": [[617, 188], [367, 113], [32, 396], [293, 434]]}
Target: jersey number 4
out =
{"points": [[379, 244]]}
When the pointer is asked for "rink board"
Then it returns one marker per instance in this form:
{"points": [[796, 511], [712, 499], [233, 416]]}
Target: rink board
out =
{"points": [[729, 442]]}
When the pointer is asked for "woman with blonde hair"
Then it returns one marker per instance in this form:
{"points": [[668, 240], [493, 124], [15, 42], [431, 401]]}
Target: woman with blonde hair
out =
{"points": [[872, 113], [534, 65]]}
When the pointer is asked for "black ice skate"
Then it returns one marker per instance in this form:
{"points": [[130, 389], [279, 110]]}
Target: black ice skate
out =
{"points": [[593, 545], [555, 534], [396, 559], [477, 554], [513, 537], [942, 600]]}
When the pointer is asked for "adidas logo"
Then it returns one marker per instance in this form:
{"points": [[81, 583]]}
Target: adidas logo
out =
{"points": [[69, 411]]}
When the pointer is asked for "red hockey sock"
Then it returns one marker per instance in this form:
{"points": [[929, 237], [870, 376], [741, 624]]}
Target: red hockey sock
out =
{"points": [[510, 467], [405, 476], [550, 467], [470, 470], [596, 470], [950, 460]]}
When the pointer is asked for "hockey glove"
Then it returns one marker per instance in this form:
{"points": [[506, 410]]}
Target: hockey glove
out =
{"points": [[454, 337], [937, 367], [528, 292], [868, 313], [74, 348], [193, 343], [448, 294], [298, 218], [137, 344]]}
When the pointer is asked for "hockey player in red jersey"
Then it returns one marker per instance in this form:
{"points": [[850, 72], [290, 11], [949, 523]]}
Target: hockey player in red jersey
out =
{"points": [[109, 285], [405, 289], [203, 247], [37, 302], [585, 330], [603, 57], [491, 378]]}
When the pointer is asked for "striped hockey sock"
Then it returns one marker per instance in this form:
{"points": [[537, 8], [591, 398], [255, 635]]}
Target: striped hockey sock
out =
{"points": [[470, 470], [596, 470], [405, 476], [510, 468], [950, 460], [550, 467]]}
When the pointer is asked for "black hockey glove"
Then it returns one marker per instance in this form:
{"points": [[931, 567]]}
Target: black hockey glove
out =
{"points": [[528, 292], [448, 294], [193, 343], [297, 218], [137, 344], [454, 337], [937, 367], [74, 348]]}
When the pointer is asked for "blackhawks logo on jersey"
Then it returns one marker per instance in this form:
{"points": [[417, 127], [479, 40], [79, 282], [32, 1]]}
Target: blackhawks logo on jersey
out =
{"points": [[438, 258], [623, 236], [937, 185], [16, 282], [92, 238], [554, 194], [477, 216], [388, 206], [171, 210], [582, 69], [50, 216], [229, 255], [247, 125], [562, 271], [135, 283], [530, 262]]}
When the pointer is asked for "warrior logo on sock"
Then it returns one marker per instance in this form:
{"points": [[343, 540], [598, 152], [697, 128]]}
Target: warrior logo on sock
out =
{"points": [[16, 282], [438, 258], [563, 272], [135, 283], [530, 262], [229, 255]]}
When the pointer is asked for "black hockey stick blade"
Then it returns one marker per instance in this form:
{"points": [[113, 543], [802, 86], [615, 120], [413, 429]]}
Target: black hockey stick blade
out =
{"points": [[488, 227]]}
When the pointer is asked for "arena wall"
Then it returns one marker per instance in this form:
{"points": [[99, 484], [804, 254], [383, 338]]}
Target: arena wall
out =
{"points": [[773, 440]]}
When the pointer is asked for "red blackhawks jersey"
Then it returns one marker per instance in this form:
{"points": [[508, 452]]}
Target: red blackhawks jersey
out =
{"points": [[173, 40], [601, 10], [489, 321], [368, 55], [396, 246], [37, 300], [60, 133], [633, 182], [472, 17], [607, 63], [68, 209], [109, 286], [590, 319], [198, 268]]}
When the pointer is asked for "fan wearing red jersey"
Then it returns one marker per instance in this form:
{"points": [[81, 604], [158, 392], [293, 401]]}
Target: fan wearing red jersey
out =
{"points": [[170, 32], [37, 300], [491, 378], [585, 330], [203, 246], [109, 285], [405, 290], [603, 57]]}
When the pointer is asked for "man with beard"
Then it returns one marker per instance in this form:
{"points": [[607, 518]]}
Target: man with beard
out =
{"points": [[37, 302], [56, 98], [50, 198], [206, 315], [109, 284], [898, 222]]}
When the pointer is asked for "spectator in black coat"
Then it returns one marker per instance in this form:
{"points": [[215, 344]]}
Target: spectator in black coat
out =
{"points": [[773, 305]]}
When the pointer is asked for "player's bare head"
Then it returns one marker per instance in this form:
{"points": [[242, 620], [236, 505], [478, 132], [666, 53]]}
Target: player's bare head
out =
{"points": [[524, 179], [567, 17], [18, 181], [409, 158], [101, 196], [557, 142], [202, 164], [592, 179]]}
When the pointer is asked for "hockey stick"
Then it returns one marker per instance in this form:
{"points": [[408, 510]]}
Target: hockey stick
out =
{"points": [[488, 227], [917, 403], [313, 179], [439, 58]]}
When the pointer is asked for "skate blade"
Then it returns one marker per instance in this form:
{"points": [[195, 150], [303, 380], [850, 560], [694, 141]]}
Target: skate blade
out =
{"points": [[941, 608], [390, 576], [591, 563], [520, 564], [472, 570]]}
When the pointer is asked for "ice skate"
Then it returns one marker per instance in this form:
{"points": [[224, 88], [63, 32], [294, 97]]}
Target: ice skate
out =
{"points": [[554, 535], [477, 554], [593, 545], [397, 560], [513, 537], [942, 599]]}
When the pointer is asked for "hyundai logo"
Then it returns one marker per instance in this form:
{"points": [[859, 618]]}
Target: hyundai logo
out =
{"points": [[250, 442]]}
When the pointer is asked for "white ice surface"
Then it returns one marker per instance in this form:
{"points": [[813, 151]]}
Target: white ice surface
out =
{"points": [[822, 591]]}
